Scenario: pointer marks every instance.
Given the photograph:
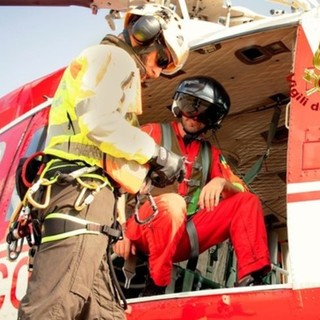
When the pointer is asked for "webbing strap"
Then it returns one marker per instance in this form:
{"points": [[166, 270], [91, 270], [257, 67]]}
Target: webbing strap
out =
{"points": [[166, 135], [113, 40], [205, 156], [65, 226], [194, 245], [255, 169], [129, 269], [167, 132]]}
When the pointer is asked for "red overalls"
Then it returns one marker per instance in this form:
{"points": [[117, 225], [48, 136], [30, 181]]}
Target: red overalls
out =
{"points": [[165, 238]]}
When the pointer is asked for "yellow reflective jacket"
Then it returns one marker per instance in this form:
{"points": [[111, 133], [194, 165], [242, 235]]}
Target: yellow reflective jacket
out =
{"points": [[88, 115]]}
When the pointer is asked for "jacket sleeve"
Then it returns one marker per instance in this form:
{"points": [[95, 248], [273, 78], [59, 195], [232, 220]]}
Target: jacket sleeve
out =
{"points": [[153, 130], [108, 87], [221, 168]]}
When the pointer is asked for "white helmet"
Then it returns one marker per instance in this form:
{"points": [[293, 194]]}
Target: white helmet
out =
{"points": [[159, 20]]}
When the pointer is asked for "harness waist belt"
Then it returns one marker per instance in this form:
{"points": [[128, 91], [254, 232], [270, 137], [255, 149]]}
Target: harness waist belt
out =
{"points": [[58, 226], [61, 166]]}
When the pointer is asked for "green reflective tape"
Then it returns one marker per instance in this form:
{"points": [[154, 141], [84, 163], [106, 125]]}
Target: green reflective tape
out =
{"points": [[68, 234]]}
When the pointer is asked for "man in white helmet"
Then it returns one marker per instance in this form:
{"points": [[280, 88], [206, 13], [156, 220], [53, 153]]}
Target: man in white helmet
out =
{"points": [[90, 140]]}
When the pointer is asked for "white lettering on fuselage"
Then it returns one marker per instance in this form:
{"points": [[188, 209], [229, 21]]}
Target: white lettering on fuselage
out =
{"points": [[13, 279]]}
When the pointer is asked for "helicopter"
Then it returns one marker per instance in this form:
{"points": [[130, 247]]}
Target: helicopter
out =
{"points": [[270, 66]]}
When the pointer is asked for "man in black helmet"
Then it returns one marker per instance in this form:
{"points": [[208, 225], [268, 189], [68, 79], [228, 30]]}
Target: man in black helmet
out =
{"points": [[209, 206]]}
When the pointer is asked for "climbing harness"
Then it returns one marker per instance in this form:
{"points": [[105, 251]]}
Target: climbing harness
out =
{"points": [[57, 226], [24, 223], [192, 203]]}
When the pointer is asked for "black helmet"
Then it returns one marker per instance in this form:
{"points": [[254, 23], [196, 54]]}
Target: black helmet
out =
{"points": [[201, 97]]}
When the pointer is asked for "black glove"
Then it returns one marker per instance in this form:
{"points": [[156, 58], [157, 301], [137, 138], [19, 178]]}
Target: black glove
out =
{"points": [[166, 168]]}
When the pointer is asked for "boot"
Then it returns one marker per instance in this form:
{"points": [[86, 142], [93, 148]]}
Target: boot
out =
{"points": [[250, 280]]}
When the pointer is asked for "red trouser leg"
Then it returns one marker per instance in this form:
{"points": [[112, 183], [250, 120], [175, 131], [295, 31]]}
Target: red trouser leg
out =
{"points": [[159, 238], [239, 218], [165, 238]]}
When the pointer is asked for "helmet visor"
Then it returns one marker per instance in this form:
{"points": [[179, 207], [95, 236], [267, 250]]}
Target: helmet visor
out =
{"points": [[191, 107], [199, 109]]}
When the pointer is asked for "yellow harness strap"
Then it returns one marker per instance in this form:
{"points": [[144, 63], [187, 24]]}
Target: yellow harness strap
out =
{"points": [[77, 225], [58, 226]]}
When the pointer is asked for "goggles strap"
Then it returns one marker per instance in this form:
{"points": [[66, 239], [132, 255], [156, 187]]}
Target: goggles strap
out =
{"points": [[126, 45]]}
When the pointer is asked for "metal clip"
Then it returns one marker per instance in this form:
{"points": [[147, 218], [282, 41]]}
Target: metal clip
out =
{"points": [[153, 206], [129, 270], [35, 188]]}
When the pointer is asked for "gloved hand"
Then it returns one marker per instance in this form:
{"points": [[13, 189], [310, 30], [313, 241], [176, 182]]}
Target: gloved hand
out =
{"points": [[166, 168]]}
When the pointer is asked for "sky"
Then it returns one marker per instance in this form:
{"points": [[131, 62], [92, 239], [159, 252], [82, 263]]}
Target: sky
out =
{"points": [[36, 41]]}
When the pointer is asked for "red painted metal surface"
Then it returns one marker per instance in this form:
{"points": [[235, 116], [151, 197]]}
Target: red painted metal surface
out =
{"points": [[284, 304], [23, 99], [304, 134], [15, 141]]}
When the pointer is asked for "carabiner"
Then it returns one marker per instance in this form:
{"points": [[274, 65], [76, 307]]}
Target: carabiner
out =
{"points": [[153, 206], [80, 206], [36, 204]]}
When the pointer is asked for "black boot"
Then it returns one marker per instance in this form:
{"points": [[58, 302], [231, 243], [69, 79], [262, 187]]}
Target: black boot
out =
{"points": [[250, 280]]}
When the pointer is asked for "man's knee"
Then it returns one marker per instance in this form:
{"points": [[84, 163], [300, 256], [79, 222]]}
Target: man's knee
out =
{"points": [[172, 204], [247, 197]]}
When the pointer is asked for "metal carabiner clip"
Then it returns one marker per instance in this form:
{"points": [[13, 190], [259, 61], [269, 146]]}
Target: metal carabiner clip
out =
{"points": [[153, 206], [35, 188]]}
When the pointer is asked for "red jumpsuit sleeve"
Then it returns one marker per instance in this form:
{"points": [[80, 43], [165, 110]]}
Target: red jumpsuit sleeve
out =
{"points": [[153, 130], [220, 168]]}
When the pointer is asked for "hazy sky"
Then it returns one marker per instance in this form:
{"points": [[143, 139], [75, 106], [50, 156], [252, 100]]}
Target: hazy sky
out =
{"points": [[36, 41]]}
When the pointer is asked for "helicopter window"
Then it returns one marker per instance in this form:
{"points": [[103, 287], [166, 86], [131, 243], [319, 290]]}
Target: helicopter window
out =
{"points": [[253, 55]]}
